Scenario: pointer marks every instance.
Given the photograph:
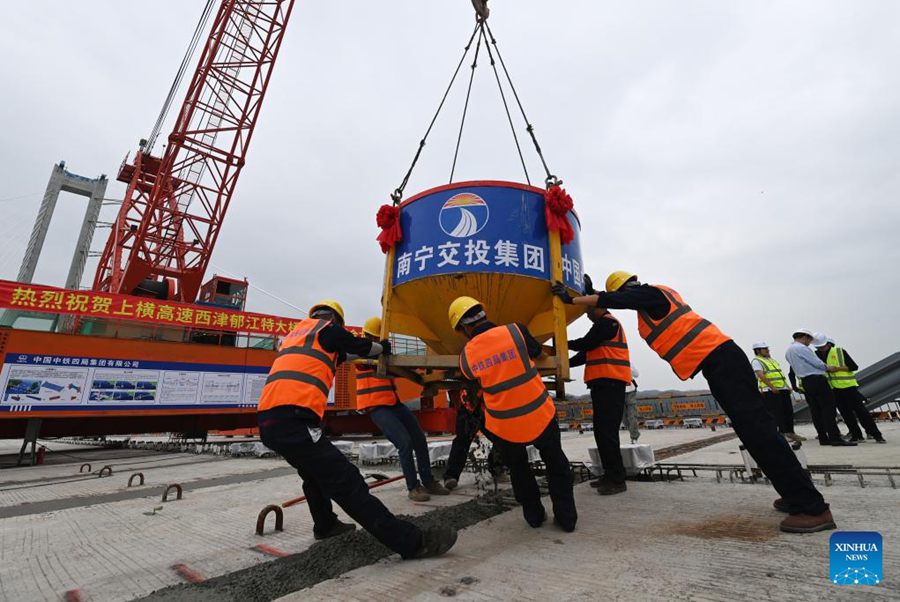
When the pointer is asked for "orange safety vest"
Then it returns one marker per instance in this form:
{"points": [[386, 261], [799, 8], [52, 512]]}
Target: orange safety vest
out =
{"points": [[517, 407], [681, 337], [302, 372], [373, 390], [609, 359]]}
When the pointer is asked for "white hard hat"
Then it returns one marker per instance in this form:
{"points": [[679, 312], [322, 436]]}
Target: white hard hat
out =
{"points": [[832, 341], [761, 345], [819, 340], [805, 331]]}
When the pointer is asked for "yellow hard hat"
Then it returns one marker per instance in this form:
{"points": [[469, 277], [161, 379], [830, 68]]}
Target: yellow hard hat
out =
{"points": [[615, 280], [329, 304], [373, 326], [458, 309]]}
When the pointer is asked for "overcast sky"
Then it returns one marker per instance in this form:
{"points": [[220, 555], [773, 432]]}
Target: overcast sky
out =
{"points": [[746, 154]]}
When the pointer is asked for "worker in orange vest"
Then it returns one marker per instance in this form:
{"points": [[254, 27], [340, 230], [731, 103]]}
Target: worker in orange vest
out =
{"points": [[290, 410], [378, 395], [691, 344], [518, 410], [603, 351]]}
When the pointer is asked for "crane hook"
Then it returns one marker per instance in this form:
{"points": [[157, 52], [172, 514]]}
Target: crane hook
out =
{"points": [[481, 9]]}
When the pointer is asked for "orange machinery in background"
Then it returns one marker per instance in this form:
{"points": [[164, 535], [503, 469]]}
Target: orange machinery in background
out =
{"points": [[119, 371]]}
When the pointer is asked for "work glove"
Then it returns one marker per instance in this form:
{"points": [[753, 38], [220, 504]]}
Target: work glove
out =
{"points": [[385, 347], [588, 285], [559, 289]]}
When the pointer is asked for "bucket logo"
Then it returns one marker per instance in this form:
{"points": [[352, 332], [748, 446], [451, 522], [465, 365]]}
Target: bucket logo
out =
{"points": [[463, 215], [856, 558]]}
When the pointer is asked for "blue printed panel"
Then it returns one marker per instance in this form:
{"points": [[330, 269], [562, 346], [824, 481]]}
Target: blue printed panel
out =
{"points": [[51, 383], [481, 229]]}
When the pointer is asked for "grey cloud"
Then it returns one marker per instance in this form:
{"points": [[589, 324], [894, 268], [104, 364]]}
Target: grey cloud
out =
{"points": [[743, 153]]}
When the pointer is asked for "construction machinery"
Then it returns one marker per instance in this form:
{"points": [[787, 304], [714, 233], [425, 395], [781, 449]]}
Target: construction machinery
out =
{"points": [[152, 347]]}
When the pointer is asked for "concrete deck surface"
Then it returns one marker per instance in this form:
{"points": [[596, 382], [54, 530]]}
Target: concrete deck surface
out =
{"points": [[864, 454], [659, 541], [61, 530]]}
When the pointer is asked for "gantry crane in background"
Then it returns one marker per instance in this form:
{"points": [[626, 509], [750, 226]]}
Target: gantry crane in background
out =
{"points": [[161, 242]]}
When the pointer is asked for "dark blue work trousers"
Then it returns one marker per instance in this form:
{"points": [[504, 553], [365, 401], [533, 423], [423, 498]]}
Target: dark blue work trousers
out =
{"points": [[608, 401], [293, 432], [559, 475], [733, 383]]}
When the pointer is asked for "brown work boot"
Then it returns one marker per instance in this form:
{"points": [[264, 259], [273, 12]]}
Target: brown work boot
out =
{"points": [[435, 488], [805, 523], [780, 505], [419, 494]]}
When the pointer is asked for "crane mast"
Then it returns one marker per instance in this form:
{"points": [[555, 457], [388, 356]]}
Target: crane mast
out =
{"points": [[174, 206]]}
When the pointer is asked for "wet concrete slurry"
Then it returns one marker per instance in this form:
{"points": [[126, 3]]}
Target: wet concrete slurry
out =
{"points": [[323, 560]]}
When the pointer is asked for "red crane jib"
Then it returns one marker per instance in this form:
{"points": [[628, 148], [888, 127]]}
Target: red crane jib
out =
{"points": [[174, 206]]}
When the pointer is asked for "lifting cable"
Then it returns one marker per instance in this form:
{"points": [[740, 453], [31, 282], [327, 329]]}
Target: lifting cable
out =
{"points": [[484, 33], [551, 179], [512, 126], [462, 122], [398, 193], [179, 76]]}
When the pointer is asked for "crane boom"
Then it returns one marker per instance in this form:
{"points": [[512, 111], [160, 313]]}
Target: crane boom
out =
{"points": [[174, 206]]}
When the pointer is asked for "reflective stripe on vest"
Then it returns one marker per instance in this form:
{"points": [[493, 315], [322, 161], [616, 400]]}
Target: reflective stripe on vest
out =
{"points": [[302, 372], [681, 337], [843, 379], [773, 372], [609, 359], [516, 403], [373, 390]]}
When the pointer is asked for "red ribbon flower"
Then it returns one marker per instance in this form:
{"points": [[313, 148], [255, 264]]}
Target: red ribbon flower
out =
{"points": [[388, 219], [557, 204]]}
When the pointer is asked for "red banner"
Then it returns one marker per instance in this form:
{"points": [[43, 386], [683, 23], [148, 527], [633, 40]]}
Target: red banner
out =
{"points": [[48, 299]]}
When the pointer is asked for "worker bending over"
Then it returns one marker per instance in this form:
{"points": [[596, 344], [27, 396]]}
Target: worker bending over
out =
{"points": [[290, 409], [603, 352], [378, 395], [691, 345], [518, 410], [850, 402], [776, 391]]}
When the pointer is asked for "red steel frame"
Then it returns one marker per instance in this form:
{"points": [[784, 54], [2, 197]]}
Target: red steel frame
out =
{"points": [[174, 207]]}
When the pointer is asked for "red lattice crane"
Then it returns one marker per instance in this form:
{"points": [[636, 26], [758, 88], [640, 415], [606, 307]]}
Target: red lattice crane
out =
{"points": [[174, 206]]}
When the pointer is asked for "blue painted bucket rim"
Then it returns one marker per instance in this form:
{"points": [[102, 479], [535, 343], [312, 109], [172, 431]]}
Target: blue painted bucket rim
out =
{"points": [[473, 183]]}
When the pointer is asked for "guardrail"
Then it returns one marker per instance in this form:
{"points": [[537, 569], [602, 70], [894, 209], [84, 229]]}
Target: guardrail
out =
{"points": [[739, 473]]}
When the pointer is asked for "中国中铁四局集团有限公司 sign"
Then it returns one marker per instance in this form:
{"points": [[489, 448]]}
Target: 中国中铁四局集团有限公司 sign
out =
{"points": [[479, 228]]}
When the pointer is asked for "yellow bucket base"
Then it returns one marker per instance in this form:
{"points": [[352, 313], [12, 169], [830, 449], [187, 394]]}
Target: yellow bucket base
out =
{"points": [[419, 308]]}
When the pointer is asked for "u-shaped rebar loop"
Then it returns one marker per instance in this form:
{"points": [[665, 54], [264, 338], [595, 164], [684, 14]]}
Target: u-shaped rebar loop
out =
{"points": [[178, 492], [264, 513]]}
